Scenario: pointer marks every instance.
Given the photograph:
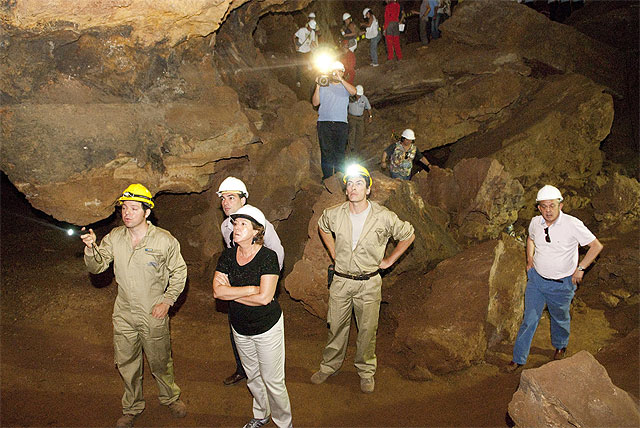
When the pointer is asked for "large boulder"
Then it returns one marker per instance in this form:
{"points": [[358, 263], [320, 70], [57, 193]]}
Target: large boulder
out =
{"points": [[447, 319], [574, 392], [557, 133], [480, 197], [308, 280]]}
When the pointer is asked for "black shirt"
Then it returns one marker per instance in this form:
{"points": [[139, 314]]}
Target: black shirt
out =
{"points": [[251, 320]]}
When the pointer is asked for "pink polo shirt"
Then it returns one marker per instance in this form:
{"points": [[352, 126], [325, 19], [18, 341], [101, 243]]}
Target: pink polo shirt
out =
{"points": [[559, 258]]}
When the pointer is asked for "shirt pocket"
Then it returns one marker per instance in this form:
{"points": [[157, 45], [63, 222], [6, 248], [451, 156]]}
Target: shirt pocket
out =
{"points": [[381, 236]]}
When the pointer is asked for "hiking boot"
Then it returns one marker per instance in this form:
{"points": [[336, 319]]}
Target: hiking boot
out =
{"points": [[125, 421], [178, 409], [367, 385], [257, 423], [319, 377], [512, 367], [559, 354]]}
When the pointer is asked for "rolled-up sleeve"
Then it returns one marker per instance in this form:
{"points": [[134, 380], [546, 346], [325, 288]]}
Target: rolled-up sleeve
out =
{"points": [[323, 222], [400, 230]]}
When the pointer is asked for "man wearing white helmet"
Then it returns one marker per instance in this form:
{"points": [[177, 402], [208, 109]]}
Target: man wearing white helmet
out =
{"points": [[305, 40], [401, 156], [553, 273], [233, 195], [359, 107], [333, 128]]}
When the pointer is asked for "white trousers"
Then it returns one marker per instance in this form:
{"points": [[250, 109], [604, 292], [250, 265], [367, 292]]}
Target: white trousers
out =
{"points": [[262, 357]]}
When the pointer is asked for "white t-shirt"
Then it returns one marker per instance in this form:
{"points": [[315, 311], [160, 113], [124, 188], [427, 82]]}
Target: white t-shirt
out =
{"points": [[357, 224], [305, 38], [372, 31], [559, 258]]}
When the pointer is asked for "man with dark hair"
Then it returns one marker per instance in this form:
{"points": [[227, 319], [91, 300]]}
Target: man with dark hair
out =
{"points": [[553, 273], [146, 258], [362, 229]]}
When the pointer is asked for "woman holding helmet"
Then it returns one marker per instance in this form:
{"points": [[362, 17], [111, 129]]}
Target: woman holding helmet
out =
{"points": [[247, 276]]}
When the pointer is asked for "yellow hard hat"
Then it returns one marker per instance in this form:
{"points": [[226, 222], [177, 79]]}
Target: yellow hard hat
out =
{"points": [[356, 170], [137, 192]]}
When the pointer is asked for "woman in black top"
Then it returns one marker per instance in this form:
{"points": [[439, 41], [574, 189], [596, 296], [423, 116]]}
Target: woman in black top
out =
{"points": [[247, 276]]}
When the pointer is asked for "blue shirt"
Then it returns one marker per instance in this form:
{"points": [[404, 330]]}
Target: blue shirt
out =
{"points": [[433, 4], [334, 100]]}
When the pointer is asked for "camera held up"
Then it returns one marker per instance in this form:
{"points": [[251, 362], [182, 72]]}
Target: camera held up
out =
{"points": [[326, 79]]}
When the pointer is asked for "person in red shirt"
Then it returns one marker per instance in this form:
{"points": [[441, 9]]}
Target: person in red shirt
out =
{"points": [[348, 58], [392, 29]]}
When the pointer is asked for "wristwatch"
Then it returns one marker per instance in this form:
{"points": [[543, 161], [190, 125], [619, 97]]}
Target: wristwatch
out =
{"points": [[580, 268]]}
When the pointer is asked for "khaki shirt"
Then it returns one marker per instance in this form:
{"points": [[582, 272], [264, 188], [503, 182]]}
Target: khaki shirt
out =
{"points": [[380, 225], [142, 273]]}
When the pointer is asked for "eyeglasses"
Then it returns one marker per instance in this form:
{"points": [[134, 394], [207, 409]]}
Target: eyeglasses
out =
{"points": [[546, 234]]}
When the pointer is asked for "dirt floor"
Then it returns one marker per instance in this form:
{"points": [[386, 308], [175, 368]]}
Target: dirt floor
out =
{"points": [[57, 357]]}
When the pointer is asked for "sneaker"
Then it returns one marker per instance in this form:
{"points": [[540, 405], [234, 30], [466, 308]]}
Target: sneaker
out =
{"points": [[375, 65], [178, 409], [367, 385], [234, 378], [298, 84], [512, 367], [125, 421], [257, 423], [319, 377], [560, 354]]}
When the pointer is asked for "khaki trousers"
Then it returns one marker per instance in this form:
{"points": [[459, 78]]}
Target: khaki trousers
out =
{"points": [[363, 297], [356, 132], [132, 334]]}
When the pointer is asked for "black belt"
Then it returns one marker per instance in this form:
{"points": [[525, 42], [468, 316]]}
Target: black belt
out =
{"points": [[357, 277], [552, 280]]}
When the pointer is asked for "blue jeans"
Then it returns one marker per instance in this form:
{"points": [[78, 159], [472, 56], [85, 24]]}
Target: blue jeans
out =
{"points": [[373, 47], [435, 26], [400, 176], [557, 296]]}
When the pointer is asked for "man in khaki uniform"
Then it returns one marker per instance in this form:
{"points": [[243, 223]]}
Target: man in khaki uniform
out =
{"points": [[145, 259], [362, 229]]}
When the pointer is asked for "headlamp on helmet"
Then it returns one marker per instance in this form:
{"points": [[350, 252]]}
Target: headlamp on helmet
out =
{"points": [[356, 170], [137, 192]]}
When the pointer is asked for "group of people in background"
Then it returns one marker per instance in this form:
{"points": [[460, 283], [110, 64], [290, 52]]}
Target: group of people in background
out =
{"points": [[558, 10]]}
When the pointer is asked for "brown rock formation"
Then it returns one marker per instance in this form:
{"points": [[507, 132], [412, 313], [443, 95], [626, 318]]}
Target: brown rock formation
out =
{"points": [[448, 318], [576, 392], [481, 198]]}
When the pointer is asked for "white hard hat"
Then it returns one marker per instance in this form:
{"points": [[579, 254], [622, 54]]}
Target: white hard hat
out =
{"points": [[312, 24], [365, 11], [232, 185], [359, 90], [409, 134], [250, 213], [311, 15], [548, 193], [337, 66], [346, 16]]}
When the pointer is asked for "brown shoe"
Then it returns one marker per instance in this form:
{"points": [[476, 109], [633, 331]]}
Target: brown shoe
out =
{"points": [[125, 421], [234, 378], [559, 354], [178, 409], [512, 367], [367, 385]]}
